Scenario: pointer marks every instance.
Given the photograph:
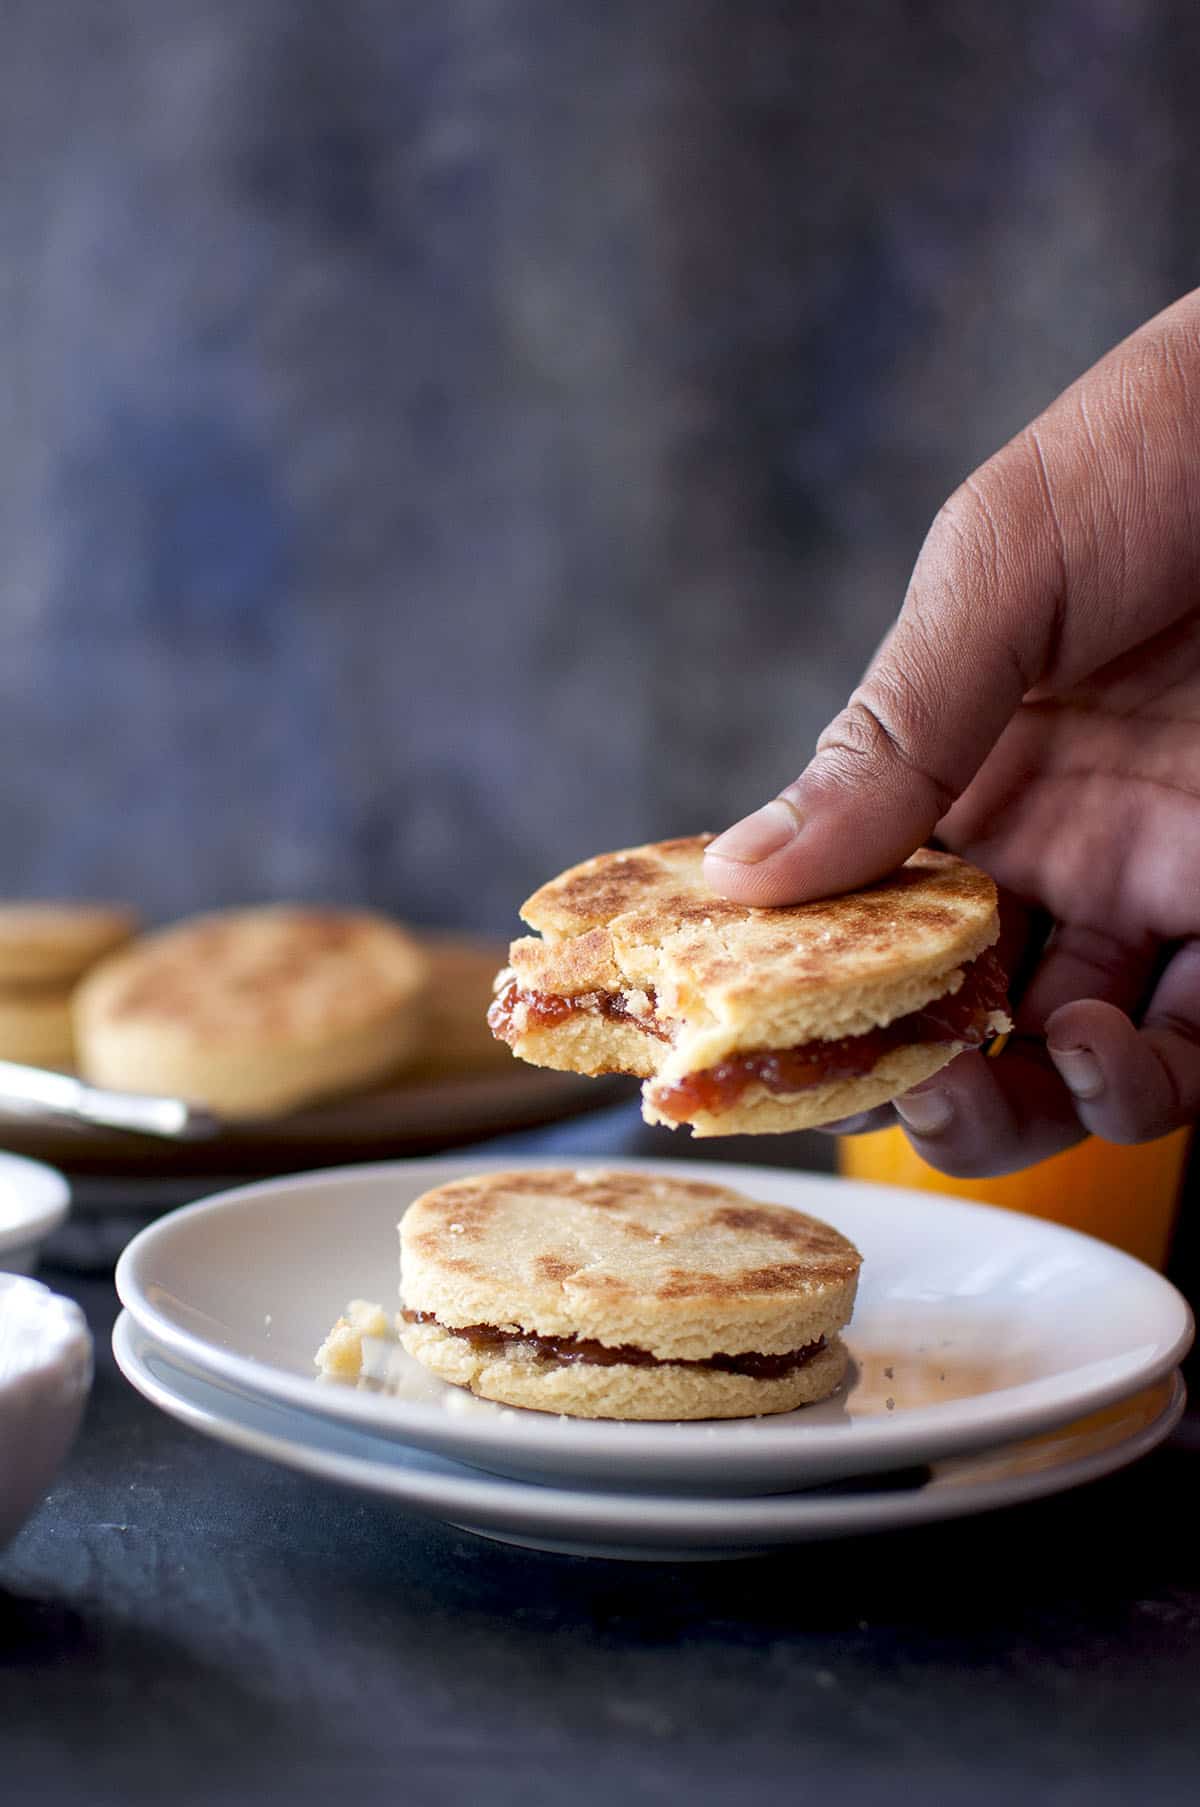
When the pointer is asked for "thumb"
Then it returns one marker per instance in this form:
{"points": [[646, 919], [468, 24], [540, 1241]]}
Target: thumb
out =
{"points": [[1067, 548], [966, 647]]}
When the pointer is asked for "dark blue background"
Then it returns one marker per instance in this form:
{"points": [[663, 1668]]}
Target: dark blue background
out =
{"points": [[441, 440]]}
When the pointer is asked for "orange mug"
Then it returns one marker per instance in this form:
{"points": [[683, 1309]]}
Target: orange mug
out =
{"points": [[1125, 1196]]}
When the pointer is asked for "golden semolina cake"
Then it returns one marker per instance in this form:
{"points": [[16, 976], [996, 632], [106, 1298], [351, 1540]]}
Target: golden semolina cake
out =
{"points": [[615, 1294], [742, 1018], [45, 943], [255, 1011]]}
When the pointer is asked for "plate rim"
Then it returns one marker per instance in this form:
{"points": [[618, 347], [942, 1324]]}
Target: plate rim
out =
{"points": [[44, 1193], [491, 1500], [941, 1429]]}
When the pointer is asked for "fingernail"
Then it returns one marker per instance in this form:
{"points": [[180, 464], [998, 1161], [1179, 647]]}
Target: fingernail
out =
{"points": [[925, 1113], [1079, 1070], [758, 836]]}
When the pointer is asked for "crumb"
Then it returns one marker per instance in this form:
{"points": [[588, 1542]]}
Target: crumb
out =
{"points": [[267, 1321], [456, 1229], [368, 1317], [341, 1354], [941, 1376], [889, 1374], [890, 1404]]}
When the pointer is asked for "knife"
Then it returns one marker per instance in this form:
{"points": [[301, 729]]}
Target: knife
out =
{"points": [[39, 1091]]}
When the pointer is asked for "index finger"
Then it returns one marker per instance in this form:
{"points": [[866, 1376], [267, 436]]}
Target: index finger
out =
{"points": [[1074, 543]]}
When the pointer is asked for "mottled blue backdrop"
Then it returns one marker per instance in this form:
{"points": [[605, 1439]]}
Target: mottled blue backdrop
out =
{"points": [[439, 440]]}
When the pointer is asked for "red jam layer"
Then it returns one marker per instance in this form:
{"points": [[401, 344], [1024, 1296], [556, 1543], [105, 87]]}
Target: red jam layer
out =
{"points": [[545, 1010], [963, 1017], [488, 1339]]}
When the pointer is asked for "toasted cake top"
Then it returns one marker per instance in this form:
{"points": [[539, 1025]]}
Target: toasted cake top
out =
{"points": [[676, 1266], [270, 976], [44, 942], [741, 976]]}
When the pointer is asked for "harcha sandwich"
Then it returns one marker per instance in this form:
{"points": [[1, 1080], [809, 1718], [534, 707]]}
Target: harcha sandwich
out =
{"points": [[743, 1020], [616, 1294]]}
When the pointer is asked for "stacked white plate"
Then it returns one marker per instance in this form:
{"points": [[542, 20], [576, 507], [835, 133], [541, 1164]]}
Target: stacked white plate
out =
{"points": [[996, 1359]]}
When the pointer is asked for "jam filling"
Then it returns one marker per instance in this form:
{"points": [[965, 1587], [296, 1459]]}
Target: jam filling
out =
{"points": [[546, 1009], [489, 1339], [963, 1016]]}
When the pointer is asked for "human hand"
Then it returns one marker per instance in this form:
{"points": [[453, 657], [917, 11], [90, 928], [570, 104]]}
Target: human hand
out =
{"points": [[1037, 704]]}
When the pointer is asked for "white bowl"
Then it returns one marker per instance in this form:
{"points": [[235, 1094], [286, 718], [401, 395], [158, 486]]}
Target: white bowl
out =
{"points": [[45, 1376], [34, 1200]]}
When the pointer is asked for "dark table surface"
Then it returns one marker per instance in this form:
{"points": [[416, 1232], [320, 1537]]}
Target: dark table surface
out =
{"points": [[180, 1622]]}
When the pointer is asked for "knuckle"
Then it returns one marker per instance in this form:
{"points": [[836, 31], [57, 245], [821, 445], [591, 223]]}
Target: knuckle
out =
{"points": [[870, 735], [996, 542], [964, 540], [1097, 957], [1173, 1023], [1149, 1095], [1174, 1043], [1126, 1124]]}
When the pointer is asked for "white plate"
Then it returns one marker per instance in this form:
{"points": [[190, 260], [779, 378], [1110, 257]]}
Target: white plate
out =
{"points": [[45, 1374], [974, 1327], [638, 1526], [34, 1200]]}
